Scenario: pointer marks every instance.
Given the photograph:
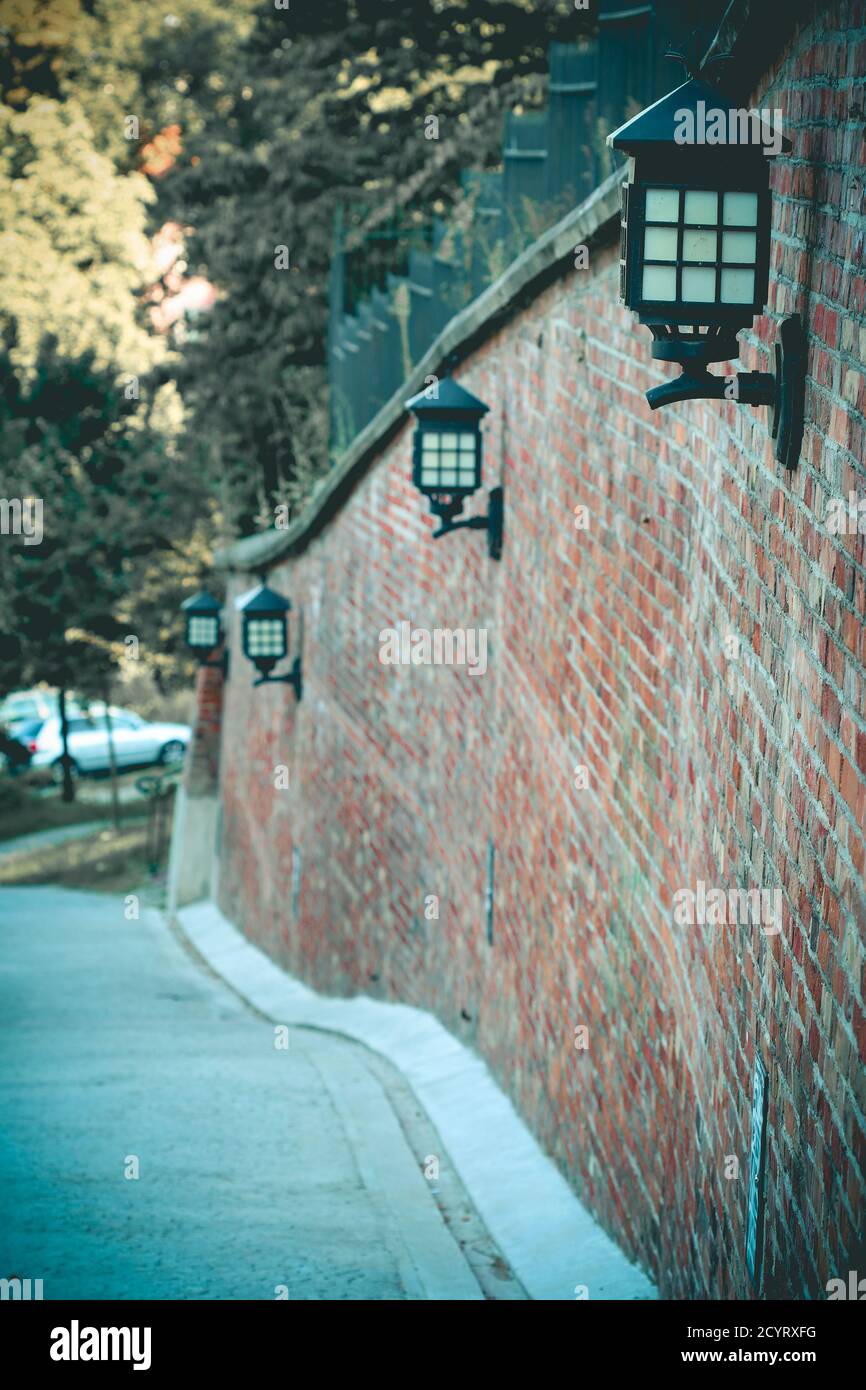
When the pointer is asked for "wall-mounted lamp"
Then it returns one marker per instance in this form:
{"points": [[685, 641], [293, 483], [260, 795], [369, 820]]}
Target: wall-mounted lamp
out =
{"points": [[447, 459], [264, 635], [695, 251], [204, 629]]}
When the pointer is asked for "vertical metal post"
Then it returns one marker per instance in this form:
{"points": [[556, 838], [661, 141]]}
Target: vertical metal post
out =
{"points": [[757, 1165], [488, 895]]}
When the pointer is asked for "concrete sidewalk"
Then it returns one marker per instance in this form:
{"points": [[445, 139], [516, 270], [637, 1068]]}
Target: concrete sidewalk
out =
{"points": [[157, 1143], [45, 839], [547, 1237]]}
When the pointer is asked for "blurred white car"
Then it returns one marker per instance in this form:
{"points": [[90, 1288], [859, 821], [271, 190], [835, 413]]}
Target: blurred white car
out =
{"points": [[27, 706], [136, 743]]}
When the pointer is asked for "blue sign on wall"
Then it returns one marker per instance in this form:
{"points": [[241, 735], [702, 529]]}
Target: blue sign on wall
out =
{"points": [[755, 1228]]}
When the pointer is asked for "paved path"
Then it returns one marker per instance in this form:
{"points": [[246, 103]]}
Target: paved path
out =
{"points": [[258, 1167], [44, 839]]}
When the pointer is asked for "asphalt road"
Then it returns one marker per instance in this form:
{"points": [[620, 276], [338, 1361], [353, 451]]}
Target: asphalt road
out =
{"points": [[262, 1172]]}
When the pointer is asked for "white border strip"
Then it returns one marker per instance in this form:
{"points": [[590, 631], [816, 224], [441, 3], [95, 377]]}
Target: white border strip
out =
{"points": [[547, 1236]]}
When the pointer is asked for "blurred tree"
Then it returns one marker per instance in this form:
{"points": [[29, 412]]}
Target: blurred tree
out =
{"points": [[75, 246], [106, 54], [105, 499], [33, 37], [84, 426]]}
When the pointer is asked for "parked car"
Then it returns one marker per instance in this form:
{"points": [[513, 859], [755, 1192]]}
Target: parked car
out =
{"points": [[25, 707], [136, 742], [17, 742], [14, 738]]}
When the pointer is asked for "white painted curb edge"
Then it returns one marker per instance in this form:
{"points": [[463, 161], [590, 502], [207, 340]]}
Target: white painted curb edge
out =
{"points": [[546, 1235]]}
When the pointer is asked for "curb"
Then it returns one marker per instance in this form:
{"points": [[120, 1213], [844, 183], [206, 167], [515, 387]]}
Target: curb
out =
{"points": [[548, 1237]]}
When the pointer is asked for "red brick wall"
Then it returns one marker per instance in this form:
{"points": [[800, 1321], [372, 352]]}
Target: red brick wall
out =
{"points": [[201, 772], [606, 648]]}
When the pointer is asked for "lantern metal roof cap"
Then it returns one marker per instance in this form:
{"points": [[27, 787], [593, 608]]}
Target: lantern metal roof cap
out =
{"points": [[203, 602], [261, 600], [450, 399], [656, 124]]}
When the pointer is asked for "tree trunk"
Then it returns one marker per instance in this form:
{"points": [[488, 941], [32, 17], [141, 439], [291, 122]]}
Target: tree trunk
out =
{"points": [[68, 792], [112, 765]]}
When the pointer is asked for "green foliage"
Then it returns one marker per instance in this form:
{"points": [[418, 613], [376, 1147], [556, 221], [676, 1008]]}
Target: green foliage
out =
{"points": [[109, 56], [74, 250], [33, 38], [88, 425], [110, 500]]}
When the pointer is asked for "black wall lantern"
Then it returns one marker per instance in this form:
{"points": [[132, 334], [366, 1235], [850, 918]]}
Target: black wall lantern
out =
{"points": [[696, 249], [203, 628], [447, 459], [264, 636]]}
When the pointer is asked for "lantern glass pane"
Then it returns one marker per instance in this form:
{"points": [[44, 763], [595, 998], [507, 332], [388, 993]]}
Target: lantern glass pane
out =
{"points": [[203, 632], [429, 460], [699, 285], [739, 247], [266, 637], [708, 253], [662, 205], [701, 205], [738, 286], [659, 282], [660, 244], [449, 460], [741, 209], [699, 246]]}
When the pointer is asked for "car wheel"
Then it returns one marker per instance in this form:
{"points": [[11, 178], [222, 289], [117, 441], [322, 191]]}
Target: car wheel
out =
{"points": [[172, 752], [57, 771]]}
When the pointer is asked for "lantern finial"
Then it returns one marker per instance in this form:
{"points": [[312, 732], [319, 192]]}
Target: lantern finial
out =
{"points": [[693, 55]]}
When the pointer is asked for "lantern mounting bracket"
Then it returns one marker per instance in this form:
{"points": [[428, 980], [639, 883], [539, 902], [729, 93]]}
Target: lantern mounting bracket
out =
{"points": [[492, 523], [294, 679], [783, 390]]}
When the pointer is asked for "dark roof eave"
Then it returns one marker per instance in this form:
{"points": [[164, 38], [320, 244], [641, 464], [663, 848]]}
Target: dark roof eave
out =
{"points": [[654, 128]]}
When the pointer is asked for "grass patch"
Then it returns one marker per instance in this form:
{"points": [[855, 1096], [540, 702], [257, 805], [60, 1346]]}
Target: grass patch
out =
{"points": [[24, 810], [110, 861]]}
